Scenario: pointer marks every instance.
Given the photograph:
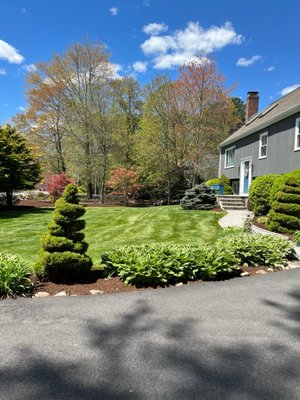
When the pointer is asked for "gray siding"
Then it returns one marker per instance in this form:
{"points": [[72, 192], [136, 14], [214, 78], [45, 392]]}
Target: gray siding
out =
{"points": [[281, 156]]}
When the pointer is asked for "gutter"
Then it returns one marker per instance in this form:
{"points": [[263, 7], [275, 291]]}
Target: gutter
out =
{"points": [[276, 118]]}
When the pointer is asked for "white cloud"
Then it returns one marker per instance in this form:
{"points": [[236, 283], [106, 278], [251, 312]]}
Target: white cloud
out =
{"points": [[146, 3], [114, 10], [246, 62], [3, 71], [115, 69], [155, 28], [10, 54], [289, 89], [21, 108], [173, 50], [270, 69], [140, 66], [29, 67]]}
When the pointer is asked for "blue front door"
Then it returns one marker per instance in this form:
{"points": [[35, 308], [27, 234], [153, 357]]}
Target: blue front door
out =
{"points": [[246, 176]]}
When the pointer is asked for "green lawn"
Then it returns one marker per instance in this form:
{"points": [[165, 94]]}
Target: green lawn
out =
{"points": [[20, 231]]}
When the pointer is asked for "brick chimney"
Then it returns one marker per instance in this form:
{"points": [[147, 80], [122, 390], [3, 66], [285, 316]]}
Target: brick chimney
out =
{"points": [[251, 104]]}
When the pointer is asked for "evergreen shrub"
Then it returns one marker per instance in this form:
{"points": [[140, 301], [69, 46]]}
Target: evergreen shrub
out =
{"points": [[63, 247], [198, 198], [284, 216], [259, 193], [279, 182]]}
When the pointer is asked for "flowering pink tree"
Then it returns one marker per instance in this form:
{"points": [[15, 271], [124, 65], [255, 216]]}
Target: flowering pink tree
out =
{"points": [[55, 184]]}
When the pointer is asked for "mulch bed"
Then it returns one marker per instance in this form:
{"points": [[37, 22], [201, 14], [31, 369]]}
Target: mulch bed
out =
{"points": [[262, 226], [115, 285]]}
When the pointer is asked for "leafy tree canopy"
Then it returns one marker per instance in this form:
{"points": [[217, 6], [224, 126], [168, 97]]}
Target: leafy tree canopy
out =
{"points": [[19, 169]]}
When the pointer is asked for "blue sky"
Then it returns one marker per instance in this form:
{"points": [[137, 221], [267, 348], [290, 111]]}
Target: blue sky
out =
{"points": [[255, 43]]}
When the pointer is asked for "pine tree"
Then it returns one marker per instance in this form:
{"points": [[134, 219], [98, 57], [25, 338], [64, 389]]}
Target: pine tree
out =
{"points": [[63, 247], [19, 169]]}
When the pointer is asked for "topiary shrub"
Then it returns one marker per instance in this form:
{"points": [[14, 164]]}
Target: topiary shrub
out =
{"points": [[198, 198], [284, 216], [279, 182], [223, 180], [259, 193], [63, 247]]}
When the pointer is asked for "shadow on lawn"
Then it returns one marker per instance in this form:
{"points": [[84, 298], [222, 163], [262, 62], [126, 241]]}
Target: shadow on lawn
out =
{"points": [[20, 211], [140, 356]]}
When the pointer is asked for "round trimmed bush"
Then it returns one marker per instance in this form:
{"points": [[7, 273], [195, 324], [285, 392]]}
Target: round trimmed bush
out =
{"points": [[259, 193], [63, 247], [223, 180]]}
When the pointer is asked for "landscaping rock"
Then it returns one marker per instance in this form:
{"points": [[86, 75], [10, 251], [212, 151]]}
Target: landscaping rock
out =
{"points": [[261, 272], [179, 284], [42, 294], [245, 273], [59, 294], [95, 291], [294, 264], [270, 269]]}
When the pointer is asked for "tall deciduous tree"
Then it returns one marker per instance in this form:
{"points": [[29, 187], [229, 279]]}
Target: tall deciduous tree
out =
{"points": [[158, 150], [19, 168], [127, 97], [69, 103], [207, 114]]}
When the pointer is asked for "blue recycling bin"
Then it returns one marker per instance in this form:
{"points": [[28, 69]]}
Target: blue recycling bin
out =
{"points": [[218, 189]]}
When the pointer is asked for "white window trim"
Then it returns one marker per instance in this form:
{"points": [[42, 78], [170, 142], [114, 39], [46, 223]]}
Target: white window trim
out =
{"points": [[297, 133], [260, 145], [229, 166]]}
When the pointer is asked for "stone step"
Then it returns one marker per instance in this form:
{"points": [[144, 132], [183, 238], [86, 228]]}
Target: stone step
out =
{"points": [[233, 197], [232, 201], [233, 207]]}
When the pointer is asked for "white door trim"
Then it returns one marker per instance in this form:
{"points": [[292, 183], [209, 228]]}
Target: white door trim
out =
{"points": [[242, 173]]}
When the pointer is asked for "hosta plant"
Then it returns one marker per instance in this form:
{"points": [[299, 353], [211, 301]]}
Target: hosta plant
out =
{"points": [[14, 274]]}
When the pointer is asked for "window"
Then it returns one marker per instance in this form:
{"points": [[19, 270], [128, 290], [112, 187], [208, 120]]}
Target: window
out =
{"points": [[229, 157], [263, 145], [297, 135]]}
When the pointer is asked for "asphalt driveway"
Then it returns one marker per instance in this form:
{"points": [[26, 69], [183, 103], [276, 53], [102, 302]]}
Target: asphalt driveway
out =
{"points": [[237, 339]]}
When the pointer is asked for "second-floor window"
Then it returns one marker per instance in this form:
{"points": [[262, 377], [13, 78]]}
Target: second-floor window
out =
{"points": [[297, 135], [263, 145], [229, 157]]}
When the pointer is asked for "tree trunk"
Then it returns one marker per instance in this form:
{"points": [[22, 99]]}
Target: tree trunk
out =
{"points": [[9, 198]]}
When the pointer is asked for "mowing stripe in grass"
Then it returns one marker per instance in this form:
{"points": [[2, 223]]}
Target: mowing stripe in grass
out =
{"points": [[20, 230]]}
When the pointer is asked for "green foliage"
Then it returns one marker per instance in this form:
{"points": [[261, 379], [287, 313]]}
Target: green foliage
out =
{"points": [[161, 263], [18, 167], [284, 216], [280, 180], [262, 220], [259, 193], [13, 276], [198, 198], [296, 237], [223, 180], [255, 249], [63, 247], [248, 225]]}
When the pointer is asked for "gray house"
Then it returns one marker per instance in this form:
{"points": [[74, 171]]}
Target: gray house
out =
{"points": [[269, 142]]}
